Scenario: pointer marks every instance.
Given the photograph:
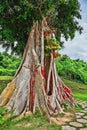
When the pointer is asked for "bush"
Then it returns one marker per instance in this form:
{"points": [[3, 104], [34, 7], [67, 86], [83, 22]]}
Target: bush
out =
{"points": [[5, 72], [72, 69], [66, 67], [8, 64]]}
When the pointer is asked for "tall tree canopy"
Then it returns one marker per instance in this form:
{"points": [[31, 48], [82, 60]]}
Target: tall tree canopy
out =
{"points": [[17, 17]]}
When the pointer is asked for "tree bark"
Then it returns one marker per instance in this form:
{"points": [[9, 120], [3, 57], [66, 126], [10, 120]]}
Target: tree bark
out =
{"points": [[36, 83]]}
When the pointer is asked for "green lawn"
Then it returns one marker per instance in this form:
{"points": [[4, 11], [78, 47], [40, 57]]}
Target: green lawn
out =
{"points": [[79, 89], [81, 96], [6, 78]]}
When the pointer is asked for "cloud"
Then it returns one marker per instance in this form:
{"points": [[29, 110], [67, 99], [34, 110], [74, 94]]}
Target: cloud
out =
{"points": [[77, 48], [1, 49]]}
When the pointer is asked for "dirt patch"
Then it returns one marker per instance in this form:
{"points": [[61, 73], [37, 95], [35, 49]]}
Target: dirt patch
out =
{"points": [[7, 115], [64, 119], [24, 125], [22, 116]]}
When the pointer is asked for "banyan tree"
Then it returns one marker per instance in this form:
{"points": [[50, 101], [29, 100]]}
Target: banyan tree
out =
{"points": [[36, 84]]}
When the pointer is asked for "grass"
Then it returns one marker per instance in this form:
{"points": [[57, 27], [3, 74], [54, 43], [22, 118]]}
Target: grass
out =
{"points": [[32, 122], [6, 78], [81, 96], [79, 89]]}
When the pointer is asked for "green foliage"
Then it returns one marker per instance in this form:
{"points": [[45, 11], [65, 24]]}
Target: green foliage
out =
{"points": [[17, 17], [65, 19], [8, 64], [3, 111], [73, 69], [51, 42], [66, 67], [7, 72]]}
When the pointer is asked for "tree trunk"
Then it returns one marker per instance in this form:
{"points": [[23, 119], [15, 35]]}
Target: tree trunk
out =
{"points": [[36, 84]]}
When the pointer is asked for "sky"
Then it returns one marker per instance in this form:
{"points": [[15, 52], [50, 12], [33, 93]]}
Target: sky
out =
{"points": [[77, 48]]}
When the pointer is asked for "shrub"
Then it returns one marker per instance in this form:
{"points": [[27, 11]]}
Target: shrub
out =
{"points": [[72, 69], [8, 64]]}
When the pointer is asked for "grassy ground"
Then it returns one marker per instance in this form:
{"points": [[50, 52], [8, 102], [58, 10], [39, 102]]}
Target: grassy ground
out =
{"points": [[36, 121], [3, 81], [79, 89], [6, 78], [33, 122]]}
